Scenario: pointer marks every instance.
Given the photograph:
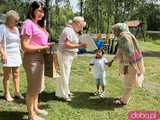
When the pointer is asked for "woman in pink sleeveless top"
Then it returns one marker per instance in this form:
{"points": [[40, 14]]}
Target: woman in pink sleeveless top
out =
{"points": [[34, 41]]}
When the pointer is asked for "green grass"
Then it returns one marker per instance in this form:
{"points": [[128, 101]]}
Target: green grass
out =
{"points": [[85, 106], [150, 46]]}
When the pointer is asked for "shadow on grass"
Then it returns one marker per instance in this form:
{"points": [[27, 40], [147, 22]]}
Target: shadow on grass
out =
{"points": [[12, 115], [18, 101], [88, 100], [151, 54], [82, 100], [45, 96]]}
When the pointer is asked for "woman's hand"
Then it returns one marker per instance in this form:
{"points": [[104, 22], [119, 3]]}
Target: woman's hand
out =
{"points": [[83, 45], [125, 70], [51, 43], [110, 63], [44, 47]]}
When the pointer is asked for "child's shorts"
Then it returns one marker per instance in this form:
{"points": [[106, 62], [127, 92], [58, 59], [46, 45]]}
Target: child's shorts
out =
{"points": [[100, 81]]}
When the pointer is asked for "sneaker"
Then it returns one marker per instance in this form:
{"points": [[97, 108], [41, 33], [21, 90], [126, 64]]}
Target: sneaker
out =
{"points": [[96, 93], [102, 94]]}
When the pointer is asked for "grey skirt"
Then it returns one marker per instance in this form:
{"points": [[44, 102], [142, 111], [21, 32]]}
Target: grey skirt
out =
{"points": [[34, 67]]}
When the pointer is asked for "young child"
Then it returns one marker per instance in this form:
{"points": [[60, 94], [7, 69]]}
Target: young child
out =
{"points": [[98, 67]]}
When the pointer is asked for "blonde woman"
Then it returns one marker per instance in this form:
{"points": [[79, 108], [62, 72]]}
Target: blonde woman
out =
{"points": [[67, 50], [10, 52]]}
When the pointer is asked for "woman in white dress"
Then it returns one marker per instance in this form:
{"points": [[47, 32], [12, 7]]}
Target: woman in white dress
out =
{"points": [[10, 53]]}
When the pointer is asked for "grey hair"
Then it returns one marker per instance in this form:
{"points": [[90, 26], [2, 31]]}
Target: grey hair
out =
{"points": [[120, 27], [78, 19]]}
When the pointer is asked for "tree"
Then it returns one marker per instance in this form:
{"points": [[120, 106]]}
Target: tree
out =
{"points": [[59, 16], [17, 5], [153, 18], [101, 14]]}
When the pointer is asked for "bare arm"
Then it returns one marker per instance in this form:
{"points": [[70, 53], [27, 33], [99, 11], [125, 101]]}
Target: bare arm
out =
{"points": [[1, 48], [69, 45], [3, 54], [118, 54], [90, 66], [27, 47]]}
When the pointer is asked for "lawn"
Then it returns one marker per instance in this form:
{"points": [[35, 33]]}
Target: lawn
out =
{"points": [[84, 105]]}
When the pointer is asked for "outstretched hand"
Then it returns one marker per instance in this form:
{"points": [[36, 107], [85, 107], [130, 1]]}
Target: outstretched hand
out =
{"points": [[51, 43], [110, 63], [83, 45]]}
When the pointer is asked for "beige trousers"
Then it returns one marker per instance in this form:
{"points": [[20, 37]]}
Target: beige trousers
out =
{"points": [[130, 82], [62, 83]]}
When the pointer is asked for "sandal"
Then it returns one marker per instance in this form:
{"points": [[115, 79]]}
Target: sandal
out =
{"points": [[42, 112], [8, 98], [119, 102], [19, 96], [35, 118], [117, 98], [71, 95], [68, 99]]}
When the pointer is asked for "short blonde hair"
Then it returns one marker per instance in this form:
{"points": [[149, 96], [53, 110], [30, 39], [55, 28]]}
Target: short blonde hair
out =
{"points": [[12, 13], [79, 19]]}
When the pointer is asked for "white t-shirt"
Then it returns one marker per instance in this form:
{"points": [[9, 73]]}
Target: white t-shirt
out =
{"points": [[70, 34], [99, 67]]}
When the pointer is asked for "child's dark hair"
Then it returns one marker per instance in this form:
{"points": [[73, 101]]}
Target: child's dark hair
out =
{"points": [[100, 50]]}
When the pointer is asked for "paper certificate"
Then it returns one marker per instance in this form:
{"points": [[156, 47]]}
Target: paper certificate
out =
{"points": [[85, 38]]}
